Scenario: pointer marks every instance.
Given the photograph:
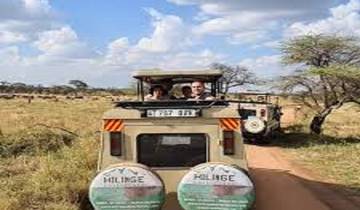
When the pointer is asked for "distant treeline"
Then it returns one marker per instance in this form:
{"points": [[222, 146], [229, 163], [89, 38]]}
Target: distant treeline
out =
{"points": [[75, 87]]}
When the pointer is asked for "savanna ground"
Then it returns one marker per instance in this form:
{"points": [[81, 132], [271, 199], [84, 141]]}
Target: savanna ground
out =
{"points": [[334, 155], [48, 150]]}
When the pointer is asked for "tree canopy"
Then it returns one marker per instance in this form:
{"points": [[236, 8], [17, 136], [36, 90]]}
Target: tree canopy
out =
{"points": [[78, 84], [329, 75]]}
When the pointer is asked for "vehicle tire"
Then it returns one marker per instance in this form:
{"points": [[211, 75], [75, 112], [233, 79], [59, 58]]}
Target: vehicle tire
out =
{"points": [[214, 184], [248, 141], [263, 140], [127, 185], [254, 125], [279, 130]]}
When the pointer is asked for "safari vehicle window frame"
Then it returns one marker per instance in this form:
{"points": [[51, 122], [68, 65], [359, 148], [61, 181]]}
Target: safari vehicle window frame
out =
{"points": [[215, 88], [253, 111], [207, 150]]}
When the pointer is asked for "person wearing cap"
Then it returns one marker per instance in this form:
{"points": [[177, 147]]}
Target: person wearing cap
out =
{"points": [[198, 91]]}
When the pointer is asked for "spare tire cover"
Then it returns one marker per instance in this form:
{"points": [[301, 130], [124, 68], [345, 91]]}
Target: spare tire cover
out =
{"points": [[127, 186], [216, 186], [254, 125]]}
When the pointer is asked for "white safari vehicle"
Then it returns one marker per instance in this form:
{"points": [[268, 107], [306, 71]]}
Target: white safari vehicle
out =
{"points": [[260, 119], [172, 154]]}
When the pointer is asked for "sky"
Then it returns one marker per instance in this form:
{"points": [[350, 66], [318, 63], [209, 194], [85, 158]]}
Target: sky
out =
{"points": [[102, 42]]}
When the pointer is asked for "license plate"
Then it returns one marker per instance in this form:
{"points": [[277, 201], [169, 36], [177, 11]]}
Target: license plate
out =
{"points": [[171, 113], [175, 140]]}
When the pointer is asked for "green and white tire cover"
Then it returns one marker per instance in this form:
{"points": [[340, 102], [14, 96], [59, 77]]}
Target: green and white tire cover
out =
{"points": [[131, 186], [254, 125], [216, 186]]}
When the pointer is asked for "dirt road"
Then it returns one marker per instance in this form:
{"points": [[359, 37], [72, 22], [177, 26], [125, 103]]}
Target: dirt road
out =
{"points": [[282, 185]]}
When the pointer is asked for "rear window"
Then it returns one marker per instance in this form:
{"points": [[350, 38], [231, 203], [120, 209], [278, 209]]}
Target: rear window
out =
{"points": [[246, 113], [172, 150]]}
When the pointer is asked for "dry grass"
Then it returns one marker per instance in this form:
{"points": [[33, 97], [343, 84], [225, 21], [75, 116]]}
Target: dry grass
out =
{"points": [[49, 153], [336, 154], [57, 176], [338, 162], [344, 122]]}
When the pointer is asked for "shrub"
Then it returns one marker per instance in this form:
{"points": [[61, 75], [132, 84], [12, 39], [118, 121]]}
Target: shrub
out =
{"points": [[58, 180], [33, 142]]}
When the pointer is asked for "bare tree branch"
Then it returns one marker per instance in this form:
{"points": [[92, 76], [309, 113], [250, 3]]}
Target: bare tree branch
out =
{"points": [[234, 76]]}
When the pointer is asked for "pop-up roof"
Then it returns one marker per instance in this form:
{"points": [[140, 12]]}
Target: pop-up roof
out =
{"points": [[156, 75]]}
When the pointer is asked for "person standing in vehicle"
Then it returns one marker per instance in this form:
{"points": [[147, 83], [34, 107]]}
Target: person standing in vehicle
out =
{"points": [[198, 91]]}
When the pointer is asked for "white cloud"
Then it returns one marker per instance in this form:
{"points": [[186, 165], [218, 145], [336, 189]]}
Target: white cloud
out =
{"points": [[62, 53], [169, 37], [25, 9], [304, 6], [37, 6], [266, 66], [122, 55], [191, 60], [241, 28], [183, 2], [62, 43], [169, 34], [32, 23], [275, 44], [20, 20], [236, 20], [344, 10], [54, 39], [344, 20], [170, 45], [230, 24], [248, 37], [116, 51], [8, 37], [10, 56], [48, 48]]}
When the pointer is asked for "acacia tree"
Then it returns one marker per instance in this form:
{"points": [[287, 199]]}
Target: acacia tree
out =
{"points": [[78, 84], [234, 76], [4, 86], [329, 76]]}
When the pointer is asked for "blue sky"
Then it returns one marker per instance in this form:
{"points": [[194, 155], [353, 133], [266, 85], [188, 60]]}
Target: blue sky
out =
{"points": [[102, 42]]}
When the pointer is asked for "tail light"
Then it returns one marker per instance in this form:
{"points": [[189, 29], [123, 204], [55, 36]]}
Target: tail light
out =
{"points": [[115, 143], [228, 142], [262, 112]]}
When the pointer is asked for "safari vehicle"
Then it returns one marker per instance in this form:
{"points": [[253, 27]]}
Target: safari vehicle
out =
{"points": [[172, 154], [260, 118]]}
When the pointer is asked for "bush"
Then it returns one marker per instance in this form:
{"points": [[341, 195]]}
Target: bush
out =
{"points": [[33, 142], [58, 180]]}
